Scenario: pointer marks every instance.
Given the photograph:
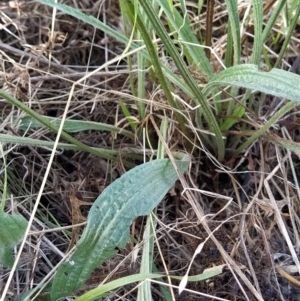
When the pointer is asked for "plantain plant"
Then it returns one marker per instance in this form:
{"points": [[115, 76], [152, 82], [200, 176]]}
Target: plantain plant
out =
{"points": [[133, 194]]}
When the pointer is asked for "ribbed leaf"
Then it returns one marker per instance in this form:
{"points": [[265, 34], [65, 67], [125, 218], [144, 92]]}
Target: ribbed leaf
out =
{"points": [[119, 37], [273, 18], [73, 125], [277, 82], [234, 23], [258, 41], [191, 43], [100, 291], [284, 143], [48, 124], [136, 193], [185, 73], [12, 231]]}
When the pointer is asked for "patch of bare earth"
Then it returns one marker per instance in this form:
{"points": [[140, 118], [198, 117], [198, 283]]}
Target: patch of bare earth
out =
{"points": [[250, 203]]}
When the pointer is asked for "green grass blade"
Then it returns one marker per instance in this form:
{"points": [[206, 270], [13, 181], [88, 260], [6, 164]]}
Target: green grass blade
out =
{"points": [[164, 290], [119, 37], [286, 108], [229, 47], [49, 125], [141, 80], [112, 285], [141, 65], [128, 116], [139, 92], [4, 170], [187, 38], [113, 155], [238, 112], [233, 110], [273, 18], [287, 39], [233, 15], [108, 30], [128, 8], [205, 108], [144, 290], [88, 19], [73, 125], [164, 133], [258, 40], [107, 287], [284, 143]]}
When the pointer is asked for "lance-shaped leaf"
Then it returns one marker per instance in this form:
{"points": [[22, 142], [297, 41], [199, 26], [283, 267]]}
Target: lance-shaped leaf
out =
{"points": [[276, 82], [12, 231], [136, 193]]}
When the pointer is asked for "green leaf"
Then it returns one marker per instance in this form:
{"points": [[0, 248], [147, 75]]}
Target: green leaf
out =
{"points": [[232, 8], [290, 30], [276, 10], [262, 130], [73, 125], [185, 73], [4, 184], [277, 82], [284, 143], [104, 153], [48, 124], [119, 37], [88, 19], [12, 231], [135, 20], [136, 193], [258, 24], [147, 264], [129, 118], [112, 285], [187, 38], [100, 291]]}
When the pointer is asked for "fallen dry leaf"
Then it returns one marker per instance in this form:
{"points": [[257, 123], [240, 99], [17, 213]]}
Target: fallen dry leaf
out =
{"points": [[76, 200]]}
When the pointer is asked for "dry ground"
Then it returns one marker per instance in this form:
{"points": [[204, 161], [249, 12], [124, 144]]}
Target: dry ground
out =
{"points": [[240, 209]]}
